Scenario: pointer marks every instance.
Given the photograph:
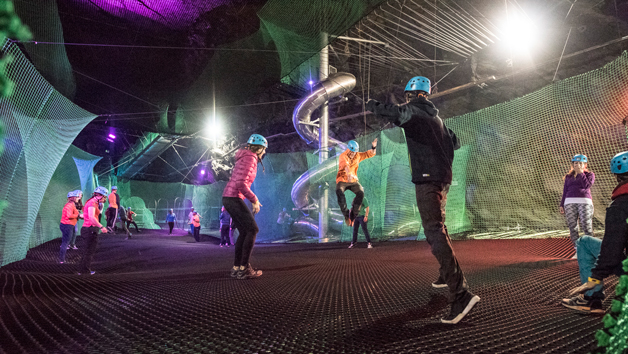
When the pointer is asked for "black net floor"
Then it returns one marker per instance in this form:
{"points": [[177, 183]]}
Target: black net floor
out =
{"points": [[156, 294]]}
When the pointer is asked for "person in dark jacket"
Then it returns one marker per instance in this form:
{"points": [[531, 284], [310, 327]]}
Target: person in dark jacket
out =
{"points": [[577, 202], [238, 188], [597, 259], [431, 148], [225, 227]]}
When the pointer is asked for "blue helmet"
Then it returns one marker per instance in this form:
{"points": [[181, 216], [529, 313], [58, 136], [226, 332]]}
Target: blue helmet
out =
{"points": [[78, 192], [353, 146], [114, 187], [419, 83], [257, 139], [580, 158], [73, 194], [619, 163], [101, 190]]}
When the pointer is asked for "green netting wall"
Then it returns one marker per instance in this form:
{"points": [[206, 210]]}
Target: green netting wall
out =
{"points": [[40, 124]]}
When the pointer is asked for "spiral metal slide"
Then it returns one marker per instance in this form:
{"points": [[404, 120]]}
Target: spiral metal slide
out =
{"points": [[308, 186]]}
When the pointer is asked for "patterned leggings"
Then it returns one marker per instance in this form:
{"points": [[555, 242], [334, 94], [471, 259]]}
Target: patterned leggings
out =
{"points": [[585, 213]]}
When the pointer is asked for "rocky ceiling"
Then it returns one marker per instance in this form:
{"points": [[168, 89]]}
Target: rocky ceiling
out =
{"points": [[161, 66]]}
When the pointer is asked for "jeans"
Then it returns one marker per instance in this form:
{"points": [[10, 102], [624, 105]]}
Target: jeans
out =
{"points": [[357, 189], [224, 235], [356, 224], [66, 236], [192, 229], [244, 221], [75, 231], [171, 225], [588, 249], [90, 235], [128, 224], [581, 211], [431, 199]]}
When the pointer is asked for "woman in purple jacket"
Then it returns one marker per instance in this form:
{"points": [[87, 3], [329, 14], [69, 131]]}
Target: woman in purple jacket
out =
{"points": [[238, 188], [576, 202]]}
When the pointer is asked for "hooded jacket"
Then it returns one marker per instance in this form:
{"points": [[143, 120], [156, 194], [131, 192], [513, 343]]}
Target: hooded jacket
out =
{"points": [[242, 177], [431, 144], [615, 238]]}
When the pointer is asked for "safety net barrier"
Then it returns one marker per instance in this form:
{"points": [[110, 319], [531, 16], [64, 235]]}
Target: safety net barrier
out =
{"points": [[40, 124]]}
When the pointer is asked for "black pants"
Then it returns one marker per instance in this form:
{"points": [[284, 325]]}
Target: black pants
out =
{"points": [[431, 199], [244, 221], [171, 225], [356, 225], [357, 189], [111, 215], [90, 235], [128, 224], [224, 234], [197, 233]]}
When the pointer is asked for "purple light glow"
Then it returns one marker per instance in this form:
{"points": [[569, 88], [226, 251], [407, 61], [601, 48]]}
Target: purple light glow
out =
{"points": [[110, 140], [311, 82], [202, 172], [112, 136]]}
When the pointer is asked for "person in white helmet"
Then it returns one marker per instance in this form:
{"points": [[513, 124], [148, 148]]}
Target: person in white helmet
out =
{"points": [[90, 229]]}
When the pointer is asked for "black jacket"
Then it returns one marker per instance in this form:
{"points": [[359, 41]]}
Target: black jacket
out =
{"points": [[431, 145], [615, 239]]}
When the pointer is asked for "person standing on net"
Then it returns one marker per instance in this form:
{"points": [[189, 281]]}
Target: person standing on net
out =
{"points": [[431, 148], [597, 259], [238, 188], [69, 218], [129, 219], [225, 227], [112, 212], [347, 178], [196, 221], [191, 220], [361, 219], [79, 206], [90, 229], [577, 202], [125, 228], [170, 219]]}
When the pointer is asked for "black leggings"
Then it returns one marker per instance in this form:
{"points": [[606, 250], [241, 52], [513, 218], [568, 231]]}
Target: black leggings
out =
{"points": [[244, 221], [171, 225]]}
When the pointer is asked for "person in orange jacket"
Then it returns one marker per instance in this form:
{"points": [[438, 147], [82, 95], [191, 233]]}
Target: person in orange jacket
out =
{"points": [[69, 218]]}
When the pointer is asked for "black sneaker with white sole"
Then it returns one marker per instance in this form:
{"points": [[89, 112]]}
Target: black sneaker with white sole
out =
{"points": [[234, 272], [439, 283], [460, 308], [584, 304], [249, 273]]}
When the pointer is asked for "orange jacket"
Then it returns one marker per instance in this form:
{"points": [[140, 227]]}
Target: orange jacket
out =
{"points": [[197, 221], [344, 161], [70, 214], [113, 202]]}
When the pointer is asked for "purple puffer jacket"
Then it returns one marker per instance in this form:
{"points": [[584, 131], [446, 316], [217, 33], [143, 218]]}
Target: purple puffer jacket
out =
{"points": [[242, 176]]}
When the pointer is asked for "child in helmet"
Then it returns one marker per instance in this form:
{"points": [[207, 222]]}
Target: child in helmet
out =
{"points": [[576, 202], [129, 219], [431, 148], [79, 206], [238, 188], [597, 258], [347, 178], [69, 218], [90, 228]]}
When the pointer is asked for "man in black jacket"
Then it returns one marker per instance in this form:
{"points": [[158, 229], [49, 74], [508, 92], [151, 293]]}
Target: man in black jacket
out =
{"points": [[431, 148], [600, 258]]}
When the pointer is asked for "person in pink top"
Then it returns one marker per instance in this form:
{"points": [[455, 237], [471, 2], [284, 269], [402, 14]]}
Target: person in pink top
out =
{"points": [[69, 218], [238, 188], [90, 228]]}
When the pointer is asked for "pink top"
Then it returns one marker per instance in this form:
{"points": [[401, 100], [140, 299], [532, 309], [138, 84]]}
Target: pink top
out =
{"points": [[243, 176], [92, 203]]}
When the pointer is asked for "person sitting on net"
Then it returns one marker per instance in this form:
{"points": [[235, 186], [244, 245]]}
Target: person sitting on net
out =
{"points": [[347, 178], [597, 259]]}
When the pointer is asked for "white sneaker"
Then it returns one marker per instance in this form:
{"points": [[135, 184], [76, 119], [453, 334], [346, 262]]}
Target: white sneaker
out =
{"points": [[369, 246], [351, 245], [575, 256]]}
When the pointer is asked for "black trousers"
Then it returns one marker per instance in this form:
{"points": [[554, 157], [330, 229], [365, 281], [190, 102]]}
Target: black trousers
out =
{"points": [[111, 214], [431, 199], [171, 225], [197, 233], [244, 221], [224, 235], [90, 235], [356, 224], [357, 189], [128, 225]]}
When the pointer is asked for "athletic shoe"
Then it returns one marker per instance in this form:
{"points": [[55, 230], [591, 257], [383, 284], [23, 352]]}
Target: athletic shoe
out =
{"points": [[110, 230], [461, 308], [439, 283], [249, 273], [67, 248], [91, 272], [351, 245], [61, 262], [73, 247], [369, 246], [581, 304], [221, 246], [234, 272]]}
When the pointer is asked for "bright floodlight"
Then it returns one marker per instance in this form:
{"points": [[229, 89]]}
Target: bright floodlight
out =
{"points": [[519, 31], [214, 130], [112, 136], [311, 82], [202, 172]]}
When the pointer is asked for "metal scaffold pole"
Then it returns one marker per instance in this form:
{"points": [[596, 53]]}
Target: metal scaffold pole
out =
{"points": [[323, 137]]}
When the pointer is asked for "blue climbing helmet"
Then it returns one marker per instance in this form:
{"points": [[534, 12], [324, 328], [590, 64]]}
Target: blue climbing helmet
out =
{"points": [[73, 194], [419, 83], [353, 146], [101, 190], [619, 163], [580, 158], [257, 139]]}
